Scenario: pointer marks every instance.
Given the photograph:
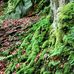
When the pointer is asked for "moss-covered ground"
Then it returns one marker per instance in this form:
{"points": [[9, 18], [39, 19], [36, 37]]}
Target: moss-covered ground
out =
{"points": [[44, 50]]}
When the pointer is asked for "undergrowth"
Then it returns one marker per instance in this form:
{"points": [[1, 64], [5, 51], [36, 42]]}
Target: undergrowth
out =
{"points": [[34, 43], [45, 51]]}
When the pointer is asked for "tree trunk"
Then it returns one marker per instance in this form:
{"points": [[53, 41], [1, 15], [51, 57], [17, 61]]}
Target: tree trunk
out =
{"points": [[55, 4]]}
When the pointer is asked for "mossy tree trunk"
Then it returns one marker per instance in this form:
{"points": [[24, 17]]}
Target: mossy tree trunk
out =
{"points": [[55, 4]]}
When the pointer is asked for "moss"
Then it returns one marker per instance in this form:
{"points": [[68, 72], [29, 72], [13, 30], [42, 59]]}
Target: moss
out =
{"points": [[51, 55], [45, 11], [67, 13], [41, 5]]}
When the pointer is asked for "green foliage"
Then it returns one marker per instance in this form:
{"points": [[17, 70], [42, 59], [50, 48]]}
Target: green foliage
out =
{"points": [[11, 6], [43, 5], [57, 50], [65, 44], [32, 45], [67, 13], [2, 58], [45, 44], [45, 11], [46, 51]]}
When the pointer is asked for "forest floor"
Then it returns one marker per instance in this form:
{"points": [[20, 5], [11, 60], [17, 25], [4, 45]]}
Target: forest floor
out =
{"points": [[11, 33], [32, 44]]}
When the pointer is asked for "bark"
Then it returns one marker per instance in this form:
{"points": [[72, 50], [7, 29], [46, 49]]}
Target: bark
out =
{"points": [[55, 4]]}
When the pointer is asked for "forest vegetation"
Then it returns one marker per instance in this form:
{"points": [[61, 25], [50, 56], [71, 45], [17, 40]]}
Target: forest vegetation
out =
{"points": [[36, 36]]}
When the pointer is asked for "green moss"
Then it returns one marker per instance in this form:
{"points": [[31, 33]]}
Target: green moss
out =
{"points": [[48, 51], [67, 13]]}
